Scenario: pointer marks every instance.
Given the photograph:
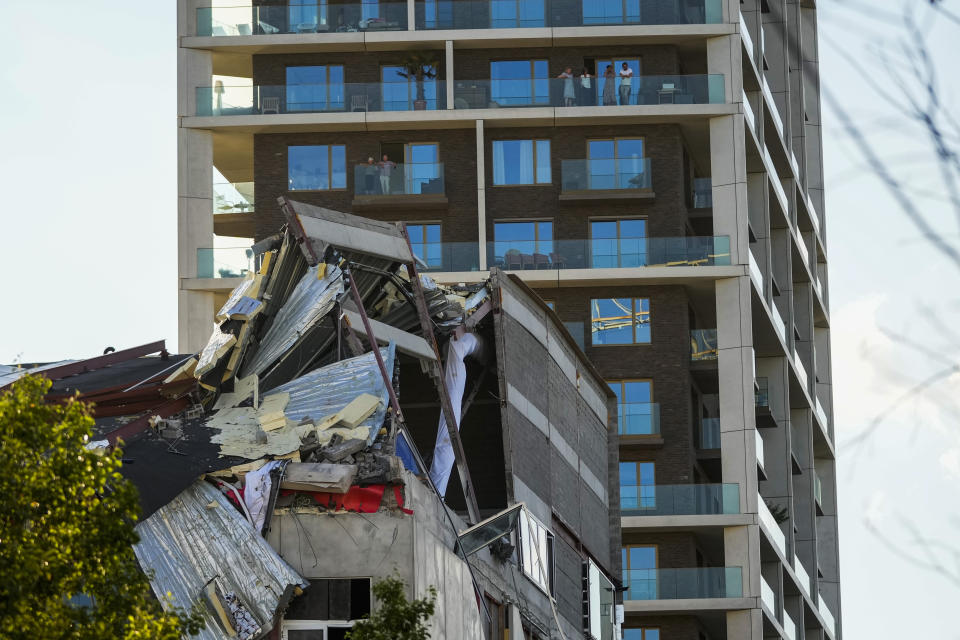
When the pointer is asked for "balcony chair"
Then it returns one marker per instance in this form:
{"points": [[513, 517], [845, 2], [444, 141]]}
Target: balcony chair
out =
{"points": [[358, 103], [512, 261], [270, 105], [559, 262], [526, 260], [541, 261], [244, 29]]}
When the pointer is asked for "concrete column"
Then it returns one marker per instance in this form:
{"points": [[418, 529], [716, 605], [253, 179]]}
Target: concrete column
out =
{"points": [[449, 72], [194, 193], [724, 57], [481, 197], [729, 177], [741, 547]]}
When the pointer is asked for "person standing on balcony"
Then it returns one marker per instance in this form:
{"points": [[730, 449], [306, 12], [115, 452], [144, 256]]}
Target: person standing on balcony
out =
{"points": [[370, 176], [569, 97], [626, 80], [587, 97], [386, 168], [609, 79]]}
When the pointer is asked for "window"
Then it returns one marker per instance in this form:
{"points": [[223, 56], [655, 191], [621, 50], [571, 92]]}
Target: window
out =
{"points": [[618, 243], [315, 88], [425, 239], [617, 164], [399, 93], [306, 15], [536, 552], [317, 167], [599, 600], [610, 11], [516, 13], [516, 245], [637, 486], [620, 321], [422, 168], [636, 413], [643, 633], [640, 572], [519, 82], [326, 609], [518, 162], [551, 304]]}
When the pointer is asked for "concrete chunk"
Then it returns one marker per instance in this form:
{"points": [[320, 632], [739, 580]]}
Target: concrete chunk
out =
{"points": [[318, 476]]}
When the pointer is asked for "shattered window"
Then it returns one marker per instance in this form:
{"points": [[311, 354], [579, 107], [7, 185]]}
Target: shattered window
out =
{"points": [[620, 321], [488, 531], [316, 167], [600, 603], [536, 552], [332, 599]]}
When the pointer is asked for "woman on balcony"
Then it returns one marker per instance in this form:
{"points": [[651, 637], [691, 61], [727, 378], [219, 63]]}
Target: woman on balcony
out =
{"points": [[609, 82], [587, 96], [569, 97]]}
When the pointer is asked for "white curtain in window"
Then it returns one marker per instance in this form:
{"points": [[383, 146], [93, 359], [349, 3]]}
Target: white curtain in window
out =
{"points": [[526, 162], [499, 172]]}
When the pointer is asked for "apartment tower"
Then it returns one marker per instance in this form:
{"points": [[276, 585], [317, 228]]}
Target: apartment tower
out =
{"points": [[652, 168]]}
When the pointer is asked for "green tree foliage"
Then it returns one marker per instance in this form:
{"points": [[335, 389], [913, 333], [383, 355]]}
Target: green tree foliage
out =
{"points": [[396, 618], [66, 530]]}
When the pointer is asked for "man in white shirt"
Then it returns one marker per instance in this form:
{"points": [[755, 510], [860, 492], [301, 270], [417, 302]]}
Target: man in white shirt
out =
{"points": [[626, 77]]}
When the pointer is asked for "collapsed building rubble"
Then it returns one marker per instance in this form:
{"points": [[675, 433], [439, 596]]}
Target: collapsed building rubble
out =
{"points": [[324, 425]]}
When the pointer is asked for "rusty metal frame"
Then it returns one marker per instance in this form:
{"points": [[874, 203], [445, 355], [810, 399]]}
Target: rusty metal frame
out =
{"points": [[99, 362]]}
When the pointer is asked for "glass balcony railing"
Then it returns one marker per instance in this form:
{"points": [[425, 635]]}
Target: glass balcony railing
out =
{"points": [[703, 344], [802, 250], [709, 433], [767, 595], [570, 92], [745, 36], [818, 489], [778, 324], [801, 370], [608, 253], [802, 576], [606, 174], [770, 524], [702, 193], [480, 14], [772, 106], [409, 179], [789, 626], [755, 273], [225, 262], [827, 615], [683, 584], [821, 413], [748, 113], [679, 499], [233, 197], [759, 440], [447, 256], [638, 418], [301, 17], [246, 100], [761, 396]]}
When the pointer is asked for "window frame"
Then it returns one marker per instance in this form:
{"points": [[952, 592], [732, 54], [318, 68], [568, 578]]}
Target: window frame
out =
{"points": [[625, 561], [643, 632], [643, 502], [533, 80], [548, 564], [618, 220], [616, 156], [411, 84], [620, 382], [536, 182], [634, 325], [536, 233], [330, 168], [408, 179], [424, 224], [328, 85]]}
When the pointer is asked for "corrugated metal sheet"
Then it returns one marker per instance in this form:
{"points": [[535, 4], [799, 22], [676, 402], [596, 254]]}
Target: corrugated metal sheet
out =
{"points": [[310, 301], [328, 389], [198, 537]]}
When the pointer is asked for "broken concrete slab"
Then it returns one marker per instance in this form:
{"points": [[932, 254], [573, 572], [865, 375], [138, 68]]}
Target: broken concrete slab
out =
{"points": [[318, 476]]}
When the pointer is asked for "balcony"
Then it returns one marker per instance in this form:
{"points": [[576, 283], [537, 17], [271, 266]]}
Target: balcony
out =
{"points": [[703, 193], [821, 413], [709, 433], [768, 597], [447, 256], [802, 576], [756, 274], [298, 17], [683, 584], [789, 626], [335, 97], [801, 370], [760, 456], [777, 319], [638, 418], [569, 92], [827, 615], [478, 14], [769, 523], [232, 208], [606, 178], [680, 499], [761, 400], [818, 493], [609, 253], [703, 345], [417, 185], [225, 262]]}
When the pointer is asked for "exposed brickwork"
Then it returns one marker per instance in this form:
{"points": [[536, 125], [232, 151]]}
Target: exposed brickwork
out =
{"points": [[671, 627]]}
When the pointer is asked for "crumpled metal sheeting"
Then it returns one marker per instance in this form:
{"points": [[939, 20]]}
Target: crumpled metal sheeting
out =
{"points": [[310, 301], [200, 536], [211, 352], [329, 389], [238, 292]]}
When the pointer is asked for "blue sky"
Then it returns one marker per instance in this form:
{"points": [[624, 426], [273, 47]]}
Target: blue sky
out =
{"points": [[88, 159]]}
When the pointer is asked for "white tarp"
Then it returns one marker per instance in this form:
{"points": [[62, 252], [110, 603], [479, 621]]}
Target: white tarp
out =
{"points": [[256, 495], [456, 379]]}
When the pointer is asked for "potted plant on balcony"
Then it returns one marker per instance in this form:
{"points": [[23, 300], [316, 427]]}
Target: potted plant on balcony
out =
{"points": [[419, 66]]}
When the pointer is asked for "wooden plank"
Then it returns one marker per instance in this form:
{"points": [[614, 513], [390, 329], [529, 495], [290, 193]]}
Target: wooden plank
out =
{"points": [[318, 476]]}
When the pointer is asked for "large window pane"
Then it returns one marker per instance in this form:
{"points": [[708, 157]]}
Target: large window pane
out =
{"points": [[314, 88], [543, 162], [620, 321], [519, 82], [316, 167], [519, 162], [425, 240], [399, 93], [515, 243], [618, 243]]}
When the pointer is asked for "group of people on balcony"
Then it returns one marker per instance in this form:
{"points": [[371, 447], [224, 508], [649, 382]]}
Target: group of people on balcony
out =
{"points": [[581, 90], [372, 170]]}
